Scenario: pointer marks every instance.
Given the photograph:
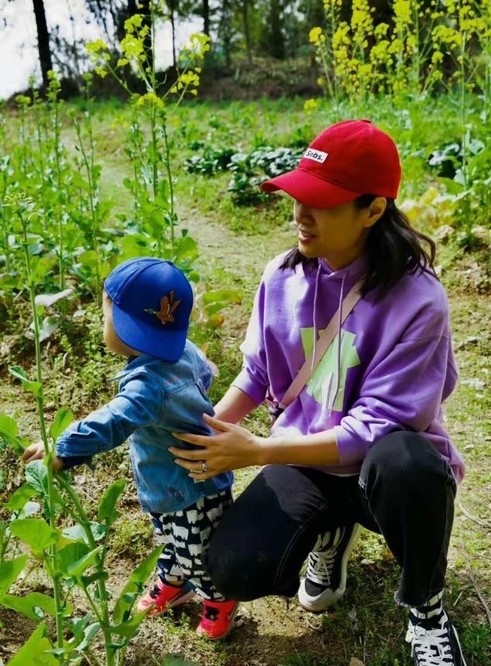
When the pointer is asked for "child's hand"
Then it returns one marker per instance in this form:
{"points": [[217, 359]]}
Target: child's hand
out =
{"points": [[36, 452]]}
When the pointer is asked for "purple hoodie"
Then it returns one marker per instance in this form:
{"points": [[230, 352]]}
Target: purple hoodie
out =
{"points": [[389, 368]]}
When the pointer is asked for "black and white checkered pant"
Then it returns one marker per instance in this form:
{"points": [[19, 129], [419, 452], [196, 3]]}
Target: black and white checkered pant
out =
{"points": [[185, 536]]}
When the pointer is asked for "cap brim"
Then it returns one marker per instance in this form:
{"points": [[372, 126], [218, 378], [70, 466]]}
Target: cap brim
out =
{"points": [[309, 189], [163, 343]]}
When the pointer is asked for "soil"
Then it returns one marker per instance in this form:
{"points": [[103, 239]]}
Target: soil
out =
{"points": [[273, 631]]}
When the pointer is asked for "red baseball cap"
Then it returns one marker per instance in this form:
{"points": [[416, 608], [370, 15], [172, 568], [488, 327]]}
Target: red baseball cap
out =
{"points": [[346, 160]]}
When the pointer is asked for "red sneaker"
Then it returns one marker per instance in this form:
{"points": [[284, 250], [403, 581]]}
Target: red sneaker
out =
{"points": [[162, 597], [217, 619]]}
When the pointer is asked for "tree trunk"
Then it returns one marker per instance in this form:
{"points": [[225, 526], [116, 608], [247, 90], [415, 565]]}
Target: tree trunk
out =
{"points": [[172, 17], [276, 36], [247, 30], [226, 31], [144, 8], [206, 17], [43, 40]]}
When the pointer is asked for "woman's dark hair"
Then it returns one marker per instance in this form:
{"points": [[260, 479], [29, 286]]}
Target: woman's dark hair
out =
{"points": [[393, 248]]}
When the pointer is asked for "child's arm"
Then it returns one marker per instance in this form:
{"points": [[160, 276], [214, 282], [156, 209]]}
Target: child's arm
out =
{"points": [[138, 404]]}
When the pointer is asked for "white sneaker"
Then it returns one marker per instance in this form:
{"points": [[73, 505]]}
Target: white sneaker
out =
{"points": [[325, 579], [434, 644]]}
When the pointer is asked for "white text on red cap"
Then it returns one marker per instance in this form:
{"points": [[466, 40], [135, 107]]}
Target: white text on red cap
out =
{"points": [[316, 155]]}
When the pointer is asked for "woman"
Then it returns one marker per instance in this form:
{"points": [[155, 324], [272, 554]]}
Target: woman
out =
{"points": [[363, 443]]}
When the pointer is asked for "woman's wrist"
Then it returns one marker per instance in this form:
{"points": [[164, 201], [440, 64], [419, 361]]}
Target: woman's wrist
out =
{"points": [[317, 449], [269, 449]]}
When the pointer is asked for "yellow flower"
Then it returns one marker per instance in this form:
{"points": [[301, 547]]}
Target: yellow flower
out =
{"points": [[310, 105], [134, 22], [96, 46], [151, 99], [315, 35]]}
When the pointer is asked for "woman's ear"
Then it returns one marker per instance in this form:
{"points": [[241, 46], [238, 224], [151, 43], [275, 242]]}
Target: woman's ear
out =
{"points": [[375, 211]]}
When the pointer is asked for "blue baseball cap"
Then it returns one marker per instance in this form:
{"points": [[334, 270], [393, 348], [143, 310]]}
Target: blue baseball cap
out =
{"points": [[152, 302]]}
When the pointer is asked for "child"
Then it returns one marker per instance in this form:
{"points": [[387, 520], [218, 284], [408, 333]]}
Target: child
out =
{"points": [[147, 303]]}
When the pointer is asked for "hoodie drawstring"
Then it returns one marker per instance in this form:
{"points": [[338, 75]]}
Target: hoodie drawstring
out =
{"points": [[326, 392], [314, 322], [338, 367]]}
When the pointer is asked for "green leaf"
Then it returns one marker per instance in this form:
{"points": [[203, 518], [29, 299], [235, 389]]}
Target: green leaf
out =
{"points": [[62, 420], [47, 300], [48, 326], [136, 581], [88, 258], [35, 532], [133, 246], [9, 431], [20, 497], [37, 477], [9, 572], [35, 651], [224, 296], [107, 508], [89, 633], [77, 533], [28, 385], [34, 605], [71, 553], [77, 568], [186, 250], [8, 426], [129, 628], [19, 373]]}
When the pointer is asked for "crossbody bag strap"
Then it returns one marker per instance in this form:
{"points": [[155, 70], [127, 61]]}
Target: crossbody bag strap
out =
{"points": [[325, 338]]}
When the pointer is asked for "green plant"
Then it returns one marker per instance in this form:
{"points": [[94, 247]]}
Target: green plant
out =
{"points": [[73, 557], [248, 169], [154, 217]]}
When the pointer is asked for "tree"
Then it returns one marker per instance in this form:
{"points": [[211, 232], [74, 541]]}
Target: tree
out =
{"points": [[245, 6], [43, 40], [273, 41]]}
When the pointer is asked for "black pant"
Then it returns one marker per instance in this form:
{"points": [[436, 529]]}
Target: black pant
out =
{"points": [[405, 491]]}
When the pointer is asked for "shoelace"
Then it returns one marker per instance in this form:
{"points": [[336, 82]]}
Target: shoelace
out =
{"points": [[432, 646], [211, 613], [320, 566], [155, 592]]}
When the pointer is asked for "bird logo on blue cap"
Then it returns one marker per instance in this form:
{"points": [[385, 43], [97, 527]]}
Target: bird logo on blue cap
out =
{"points": [[167, 308]]}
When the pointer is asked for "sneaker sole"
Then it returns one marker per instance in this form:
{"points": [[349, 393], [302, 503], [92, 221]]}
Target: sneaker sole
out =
{"points": [[458, 643], [329, 597], [219, 638]]}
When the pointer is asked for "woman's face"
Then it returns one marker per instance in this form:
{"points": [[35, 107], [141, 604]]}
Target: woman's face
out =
{"points": [[338, 234]]}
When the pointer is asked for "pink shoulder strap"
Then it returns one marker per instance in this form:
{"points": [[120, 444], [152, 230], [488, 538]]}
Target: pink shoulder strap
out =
{"points": [[325, 338]]}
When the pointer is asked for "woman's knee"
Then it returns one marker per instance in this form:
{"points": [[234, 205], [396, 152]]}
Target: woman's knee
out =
{"points": [[237, 572], [403, 460], [263, 539]]}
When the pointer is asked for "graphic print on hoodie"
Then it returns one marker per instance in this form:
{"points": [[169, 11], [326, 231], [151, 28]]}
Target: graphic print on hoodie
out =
{"points": [[328, 382]]}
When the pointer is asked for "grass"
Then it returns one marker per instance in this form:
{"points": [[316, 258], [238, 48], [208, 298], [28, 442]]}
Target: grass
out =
{"points": [[235, 244]]}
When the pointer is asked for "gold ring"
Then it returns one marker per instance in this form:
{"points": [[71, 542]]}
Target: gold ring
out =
{"points": [[204, 467]]}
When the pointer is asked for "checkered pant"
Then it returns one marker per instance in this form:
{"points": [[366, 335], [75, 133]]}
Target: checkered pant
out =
{"points": [[185, 536]]}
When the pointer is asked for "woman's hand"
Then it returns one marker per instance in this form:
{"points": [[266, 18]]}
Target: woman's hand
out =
{"points": [[37, 452], [231, 448]]}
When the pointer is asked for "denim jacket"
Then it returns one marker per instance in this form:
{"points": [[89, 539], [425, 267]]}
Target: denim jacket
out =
{"points": [[155, 398]]}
